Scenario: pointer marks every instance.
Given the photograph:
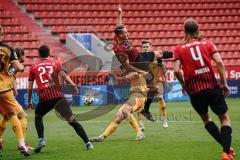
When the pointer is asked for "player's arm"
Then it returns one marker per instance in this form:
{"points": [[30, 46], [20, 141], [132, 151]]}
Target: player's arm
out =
{"points": [[30, 90], [119, 17], [15, 66], [179, 75], [221, 70], [163, 54], [15, 92], [69, 81]]}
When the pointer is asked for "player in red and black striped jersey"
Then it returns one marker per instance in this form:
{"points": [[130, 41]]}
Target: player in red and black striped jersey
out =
{"points": [[133, 60], [47, 74], [194, 56]]}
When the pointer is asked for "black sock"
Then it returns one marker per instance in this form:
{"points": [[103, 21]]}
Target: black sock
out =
{"points": [[39, 126], [213, 130], [226, 134], [80, 131], [147, 104]]}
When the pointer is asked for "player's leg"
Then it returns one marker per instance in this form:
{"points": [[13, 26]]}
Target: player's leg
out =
{"points": [[3, 125], [64, 109], [41, 110], [22, 116], [136, 106], [145, 112], [163, 111], [219, 107], [200, 105], [140, 121], [9, 103]]}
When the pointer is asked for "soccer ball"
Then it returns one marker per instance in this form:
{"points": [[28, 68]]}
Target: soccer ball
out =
{"points": [[88, 99]]}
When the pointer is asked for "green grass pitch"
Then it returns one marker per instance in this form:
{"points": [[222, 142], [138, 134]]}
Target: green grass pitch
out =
{"points": [[185, 139]]}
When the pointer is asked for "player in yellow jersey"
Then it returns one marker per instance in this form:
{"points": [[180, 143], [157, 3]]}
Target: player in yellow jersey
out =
{"points": [[8, 103], [158, 71], [20, 112], [134, 103]]}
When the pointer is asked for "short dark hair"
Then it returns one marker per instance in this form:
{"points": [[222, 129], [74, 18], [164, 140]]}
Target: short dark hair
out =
{"points": [[191, 26], [118, 29], [44, 51], [146, 41], [19, 51]]}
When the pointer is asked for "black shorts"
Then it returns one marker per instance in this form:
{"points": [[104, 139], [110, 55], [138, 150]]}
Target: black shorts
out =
{"points": [[210, 97], [61, 105]]}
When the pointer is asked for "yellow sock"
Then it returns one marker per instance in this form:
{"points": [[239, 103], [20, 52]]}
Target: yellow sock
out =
{"points": [[140, 118], [110, 129], [162, 108], [134, 124], [23, 122], [17, 128]]}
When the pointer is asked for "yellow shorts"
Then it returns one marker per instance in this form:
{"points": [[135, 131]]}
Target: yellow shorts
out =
{"points": [[136, 100], [8, 103]]}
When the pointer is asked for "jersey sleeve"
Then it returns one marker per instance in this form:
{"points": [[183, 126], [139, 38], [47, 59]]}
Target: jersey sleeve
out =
{"points": [[13, 55], [122, 57], [31, 76], [211, 48], [58, 66], [176, 54]]}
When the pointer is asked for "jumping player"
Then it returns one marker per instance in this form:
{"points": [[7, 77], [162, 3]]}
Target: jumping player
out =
{"points": [[132, 60]]}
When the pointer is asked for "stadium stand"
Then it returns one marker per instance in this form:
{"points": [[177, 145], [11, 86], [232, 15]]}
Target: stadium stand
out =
{"points": [[22, 31], [157, 20]]}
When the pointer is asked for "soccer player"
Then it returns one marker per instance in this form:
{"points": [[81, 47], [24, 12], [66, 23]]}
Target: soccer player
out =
{"points": [[157, 69], [131, 58], [22, 116], [194, 56], [47, 74], [8, 103], [134, 103]]}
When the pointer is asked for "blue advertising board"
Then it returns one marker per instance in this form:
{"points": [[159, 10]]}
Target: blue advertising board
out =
{"points": [[85, 40], [98, 91], [234, 86], [22, 98], [175, 94], [118, 93], [114, 94]]}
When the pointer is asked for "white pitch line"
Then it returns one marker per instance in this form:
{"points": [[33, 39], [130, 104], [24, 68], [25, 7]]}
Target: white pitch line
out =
{"points": [[90, 121]]}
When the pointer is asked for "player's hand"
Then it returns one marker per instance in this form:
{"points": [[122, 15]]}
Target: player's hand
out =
{"points": [[225, 89], [184, 92], [132, 75], [119, 9], [29, 106]]}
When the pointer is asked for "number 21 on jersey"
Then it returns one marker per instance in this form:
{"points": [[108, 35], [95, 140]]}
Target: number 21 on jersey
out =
{"points": [[43, 71], [198, 56]]}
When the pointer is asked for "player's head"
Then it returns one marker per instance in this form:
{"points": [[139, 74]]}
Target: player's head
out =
{"points": [[20, 54], [44, 51], [146, 45], [121, 32], [191, 29]]}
